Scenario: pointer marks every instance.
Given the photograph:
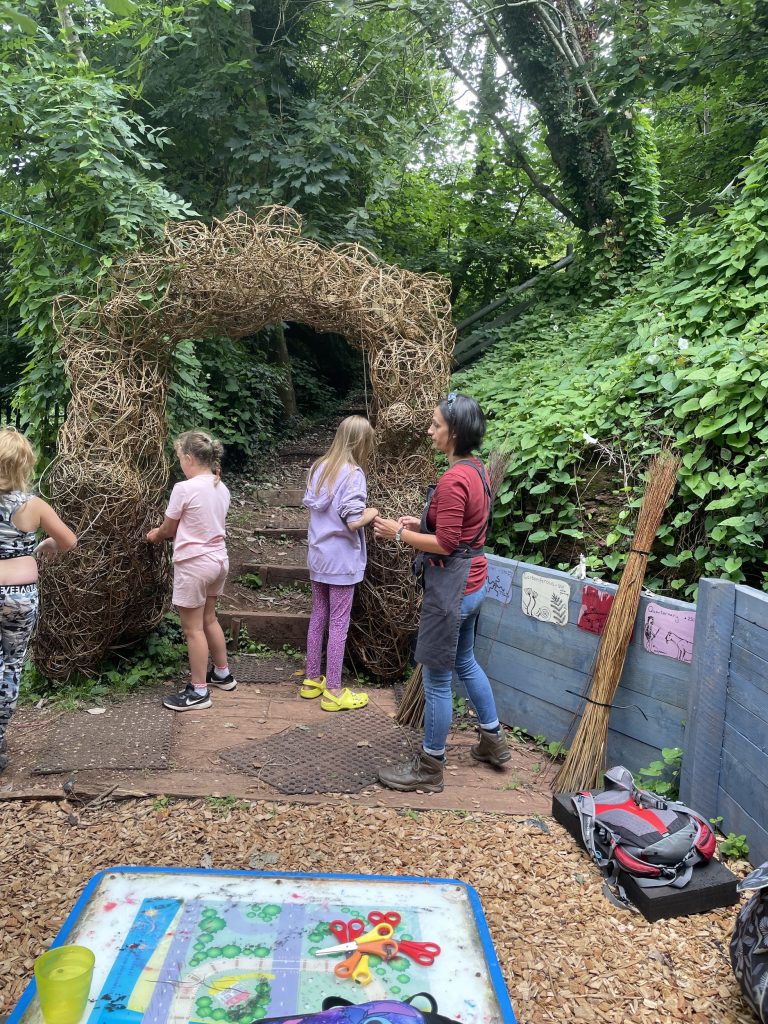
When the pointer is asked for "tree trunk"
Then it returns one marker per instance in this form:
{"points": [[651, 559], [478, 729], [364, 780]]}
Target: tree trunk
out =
{"points": [[547, 54], [285, 391]]}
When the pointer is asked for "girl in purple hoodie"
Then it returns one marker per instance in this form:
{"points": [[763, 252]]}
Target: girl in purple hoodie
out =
{"points": [[336, 496]]}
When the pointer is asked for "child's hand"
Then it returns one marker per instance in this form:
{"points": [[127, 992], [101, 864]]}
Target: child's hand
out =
{"points": [[154, 536], [47, 548]]}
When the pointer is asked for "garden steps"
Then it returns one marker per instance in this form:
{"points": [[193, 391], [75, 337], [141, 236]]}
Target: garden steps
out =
{"points": [[281, 497], [271, 573], [277, 532], [274, 628]]}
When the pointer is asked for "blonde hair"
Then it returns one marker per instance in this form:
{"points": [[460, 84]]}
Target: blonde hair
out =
{"points": [[17, 460], [352, 445], [202, 447]]}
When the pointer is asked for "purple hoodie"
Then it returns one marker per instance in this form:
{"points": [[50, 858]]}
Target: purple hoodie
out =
{"points": [[337, 554]]}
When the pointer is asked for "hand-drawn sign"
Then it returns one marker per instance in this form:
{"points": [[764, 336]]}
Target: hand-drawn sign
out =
{"points": [[500, 583], [595, 605], [546, 599], [669, 632]]}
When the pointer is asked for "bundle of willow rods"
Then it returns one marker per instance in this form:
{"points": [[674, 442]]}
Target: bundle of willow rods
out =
{"points": [[585, 761], [411, 709]]}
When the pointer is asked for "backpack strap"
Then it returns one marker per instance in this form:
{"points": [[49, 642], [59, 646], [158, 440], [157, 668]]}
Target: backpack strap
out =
{"points": [[487, 491]]}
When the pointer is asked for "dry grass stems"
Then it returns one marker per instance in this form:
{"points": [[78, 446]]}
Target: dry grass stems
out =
{"points": [[585, 760], [109, 478]]}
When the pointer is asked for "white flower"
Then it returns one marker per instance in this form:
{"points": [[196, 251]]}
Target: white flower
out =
{"points": [[653, 358], [588, 438], [683, 344]]}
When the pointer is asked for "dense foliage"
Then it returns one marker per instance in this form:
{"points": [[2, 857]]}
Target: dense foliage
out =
{"points": [[472, 138], [682, 357]]}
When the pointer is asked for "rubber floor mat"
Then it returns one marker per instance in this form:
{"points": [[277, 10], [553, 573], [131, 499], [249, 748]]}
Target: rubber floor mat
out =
{"points": [[340, 754], [250, 668], [133, 735]]}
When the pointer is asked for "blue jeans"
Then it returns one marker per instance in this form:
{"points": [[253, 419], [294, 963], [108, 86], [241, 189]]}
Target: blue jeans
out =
{"points": [[438, 689]]}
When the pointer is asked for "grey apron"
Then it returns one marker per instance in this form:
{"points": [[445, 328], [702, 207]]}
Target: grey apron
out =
{"points": [[444, 578]]}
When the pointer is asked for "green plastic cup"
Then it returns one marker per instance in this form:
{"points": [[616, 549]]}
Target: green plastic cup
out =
{"points": [[63, 977]]}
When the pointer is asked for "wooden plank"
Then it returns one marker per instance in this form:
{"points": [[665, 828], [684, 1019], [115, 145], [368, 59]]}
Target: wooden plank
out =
{"points": [[744, 771], [276, 532], [750, 670], [752, 605], [278, 497], [503, 299], [517, 568], [706, 708], [518, 676], [630, 752], [577, 649], [268, 627], [745, 698], [751, 636], [737, 819], [273, 574]]}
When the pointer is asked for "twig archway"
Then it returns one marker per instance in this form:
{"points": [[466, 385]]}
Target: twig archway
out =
{"points": [[109, 477]]}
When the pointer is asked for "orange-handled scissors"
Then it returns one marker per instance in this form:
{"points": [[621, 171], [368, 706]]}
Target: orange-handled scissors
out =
{"points": [[354, 967], [379, 942]]}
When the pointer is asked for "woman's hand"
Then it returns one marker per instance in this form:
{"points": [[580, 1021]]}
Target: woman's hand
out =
{"points": [[410, 523], [385, 529]]}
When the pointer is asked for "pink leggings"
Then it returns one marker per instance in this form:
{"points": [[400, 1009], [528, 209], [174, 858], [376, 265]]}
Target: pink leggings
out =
{"points": [[331, 608]]}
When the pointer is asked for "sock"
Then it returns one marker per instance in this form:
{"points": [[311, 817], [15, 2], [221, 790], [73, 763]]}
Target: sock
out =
{"points": [[496, 729], [431, 753], [219, 672], [200, 689]]}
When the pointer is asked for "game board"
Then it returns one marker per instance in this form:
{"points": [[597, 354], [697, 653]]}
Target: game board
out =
{"points": [[189, 946]]}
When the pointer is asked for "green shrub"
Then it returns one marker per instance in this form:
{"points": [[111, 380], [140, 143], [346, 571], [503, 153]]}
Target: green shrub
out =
{"points": [[575, 390]]}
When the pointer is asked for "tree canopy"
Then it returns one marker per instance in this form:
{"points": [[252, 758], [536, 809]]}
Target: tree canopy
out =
{"points": [[472, 138]]}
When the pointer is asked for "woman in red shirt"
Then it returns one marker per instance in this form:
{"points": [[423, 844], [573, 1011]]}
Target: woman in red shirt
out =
{"points": [[449, 541]]}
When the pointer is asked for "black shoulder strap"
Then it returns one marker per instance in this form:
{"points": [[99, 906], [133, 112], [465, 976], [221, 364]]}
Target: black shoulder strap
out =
{"points": [[487, 491]]}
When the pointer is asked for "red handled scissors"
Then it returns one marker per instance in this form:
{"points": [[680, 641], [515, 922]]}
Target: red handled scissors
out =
{"points": [[347, 931], [391, 918], [423, 953]]}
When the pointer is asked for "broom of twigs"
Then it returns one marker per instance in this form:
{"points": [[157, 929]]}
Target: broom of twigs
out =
{"points": [[411, 709], [585, 760]]}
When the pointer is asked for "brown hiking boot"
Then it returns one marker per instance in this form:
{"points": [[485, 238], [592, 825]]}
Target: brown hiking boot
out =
{"points": [[492, 748], [422, 772]]}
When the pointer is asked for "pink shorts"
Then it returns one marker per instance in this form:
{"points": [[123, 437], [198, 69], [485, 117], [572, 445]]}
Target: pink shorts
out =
{"points": [[196, 579]]}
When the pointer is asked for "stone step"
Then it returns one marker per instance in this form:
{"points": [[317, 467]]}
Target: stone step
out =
{"points": [[271, 574], [273, 628], [278, 497]]}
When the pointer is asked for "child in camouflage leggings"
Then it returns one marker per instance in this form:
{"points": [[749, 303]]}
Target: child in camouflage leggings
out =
{"points": [[21, 516], [18, 613]]}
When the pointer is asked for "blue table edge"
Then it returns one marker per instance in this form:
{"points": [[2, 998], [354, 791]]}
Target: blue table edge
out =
{"points": [[497, 979]]}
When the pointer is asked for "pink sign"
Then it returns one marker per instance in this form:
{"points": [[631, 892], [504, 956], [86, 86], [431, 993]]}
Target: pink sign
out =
{"points": [[669, 632], [595, 605]]}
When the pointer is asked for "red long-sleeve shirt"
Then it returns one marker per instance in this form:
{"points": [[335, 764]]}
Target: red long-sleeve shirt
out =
{"points": [[459, 509]]}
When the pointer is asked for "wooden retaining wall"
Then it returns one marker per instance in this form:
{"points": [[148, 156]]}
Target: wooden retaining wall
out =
{"points": [[715, 707]]}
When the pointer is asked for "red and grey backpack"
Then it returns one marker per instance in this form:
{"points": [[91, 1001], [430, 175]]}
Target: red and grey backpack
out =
{"points": [[628, 829]]}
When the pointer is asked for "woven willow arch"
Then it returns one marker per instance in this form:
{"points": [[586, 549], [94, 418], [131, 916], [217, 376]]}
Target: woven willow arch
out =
{"points": [[109, 478]]}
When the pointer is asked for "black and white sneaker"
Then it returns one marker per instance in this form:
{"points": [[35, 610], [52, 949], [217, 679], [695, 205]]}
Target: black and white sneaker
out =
{"points": [[187, 699], [228, 682]]}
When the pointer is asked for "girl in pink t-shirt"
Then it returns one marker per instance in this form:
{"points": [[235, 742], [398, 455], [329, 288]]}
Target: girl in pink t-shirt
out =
{"points": [[195, 520]]}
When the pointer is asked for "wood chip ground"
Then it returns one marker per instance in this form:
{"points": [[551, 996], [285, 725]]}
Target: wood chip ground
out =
{"points": [[566, 954]]}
